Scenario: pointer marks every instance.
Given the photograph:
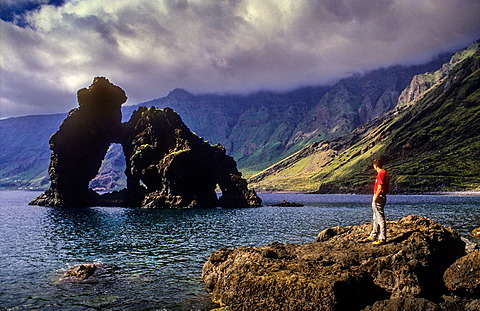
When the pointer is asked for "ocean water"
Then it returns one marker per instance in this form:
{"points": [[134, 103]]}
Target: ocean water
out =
{"points": [[152, 259]]}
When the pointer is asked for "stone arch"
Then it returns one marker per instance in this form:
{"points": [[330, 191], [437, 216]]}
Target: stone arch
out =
{"points": [[179, 169]]}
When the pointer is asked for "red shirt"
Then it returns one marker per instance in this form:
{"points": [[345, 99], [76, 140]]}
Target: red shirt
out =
{"points": [[382, 179]]}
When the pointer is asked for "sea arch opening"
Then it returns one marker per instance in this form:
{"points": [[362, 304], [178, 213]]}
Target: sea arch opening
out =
{"points": [[111, 175]]}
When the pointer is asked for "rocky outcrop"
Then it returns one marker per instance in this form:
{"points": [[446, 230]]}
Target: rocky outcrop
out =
{"points": [[178, 168], [340, 271], [81, 143]]}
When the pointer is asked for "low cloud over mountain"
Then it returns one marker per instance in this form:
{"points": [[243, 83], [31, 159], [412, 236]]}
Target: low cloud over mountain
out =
{"points": [[151, 47]]}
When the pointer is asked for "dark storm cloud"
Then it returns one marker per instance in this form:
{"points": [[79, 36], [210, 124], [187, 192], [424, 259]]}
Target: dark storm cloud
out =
{"points": [[152, 47]]}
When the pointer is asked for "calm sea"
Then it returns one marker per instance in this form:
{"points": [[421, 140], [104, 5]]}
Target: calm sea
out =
{"points": [[152, 259]]}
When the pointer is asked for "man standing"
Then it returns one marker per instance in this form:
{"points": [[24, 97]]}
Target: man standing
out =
{"points": [[380, 190]]}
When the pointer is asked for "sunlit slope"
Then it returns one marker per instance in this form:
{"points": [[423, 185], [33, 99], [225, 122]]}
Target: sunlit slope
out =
{"points": [[429, 144]]}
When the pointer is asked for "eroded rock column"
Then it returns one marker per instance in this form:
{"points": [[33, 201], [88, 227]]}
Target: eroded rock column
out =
{"points": [[81, 143]]}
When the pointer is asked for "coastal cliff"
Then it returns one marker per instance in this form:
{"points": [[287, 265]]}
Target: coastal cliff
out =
{"points": [[341, 271], [178, 169]]}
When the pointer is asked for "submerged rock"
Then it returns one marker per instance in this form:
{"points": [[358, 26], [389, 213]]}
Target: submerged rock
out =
{"points": [[79, 272], [178, 168], [89, 273], [339, 271], [285, 203]]}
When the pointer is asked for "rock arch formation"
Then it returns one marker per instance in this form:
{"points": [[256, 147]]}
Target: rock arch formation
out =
{"points": [[179, 169]]}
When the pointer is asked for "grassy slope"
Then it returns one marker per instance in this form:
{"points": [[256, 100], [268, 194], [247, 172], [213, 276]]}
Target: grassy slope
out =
{"points": [[431, 145]]}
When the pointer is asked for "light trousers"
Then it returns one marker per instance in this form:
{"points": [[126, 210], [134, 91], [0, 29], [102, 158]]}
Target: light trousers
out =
{"points": [[379, 224]]}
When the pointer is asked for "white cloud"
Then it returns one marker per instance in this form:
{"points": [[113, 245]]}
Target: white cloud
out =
{"points": [[150, 47]]}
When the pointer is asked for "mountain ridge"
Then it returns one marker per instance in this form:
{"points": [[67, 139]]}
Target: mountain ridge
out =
{"points": [[431, 143], [258, 129]]}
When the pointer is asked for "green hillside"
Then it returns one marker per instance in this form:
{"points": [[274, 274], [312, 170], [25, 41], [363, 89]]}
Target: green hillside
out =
{"points": [[429, 144]]}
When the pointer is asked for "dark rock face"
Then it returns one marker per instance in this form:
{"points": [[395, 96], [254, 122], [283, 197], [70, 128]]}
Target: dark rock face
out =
{"points": [[285, 203], [339, 271], [177, 167], [81, 143]]}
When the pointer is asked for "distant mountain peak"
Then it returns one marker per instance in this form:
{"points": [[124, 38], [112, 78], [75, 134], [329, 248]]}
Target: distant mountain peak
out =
{"points": [[179, 92]]}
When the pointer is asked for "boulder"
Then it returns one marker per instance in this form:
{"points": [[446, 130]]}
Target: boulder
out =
{"points": [[79, 272], [476, 233], [338, 272], [463, 276]]}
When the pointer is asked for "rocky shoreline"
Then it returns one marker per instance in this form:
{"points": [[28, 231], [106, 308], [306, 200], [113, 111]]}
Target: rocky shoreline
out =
{"points": [[423, 266]]}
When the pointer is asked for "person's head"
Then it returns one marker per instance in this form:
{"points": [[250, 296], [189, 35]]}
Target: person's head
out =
{"points": [[378, 163]]}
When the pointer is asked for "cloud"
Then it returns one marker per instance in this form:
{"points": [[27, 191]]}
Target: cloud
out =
{"points": [[151, 47], [21, 3]]}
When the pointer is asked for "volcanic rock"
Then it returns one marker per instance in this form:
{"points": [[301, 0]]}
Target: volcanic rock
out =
{"points": [[476, 233], [79, 272], [338, 272], [286, 203], [463, 276], [178, 168], [81, 143]]}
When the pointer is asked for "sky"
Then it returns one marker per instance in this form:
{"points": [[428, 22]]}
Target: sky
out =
{"points": [[50, 49]]}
